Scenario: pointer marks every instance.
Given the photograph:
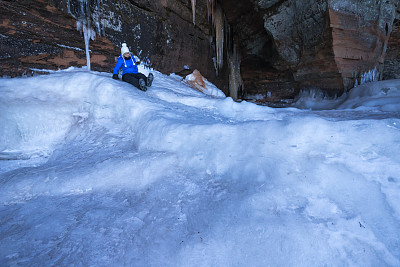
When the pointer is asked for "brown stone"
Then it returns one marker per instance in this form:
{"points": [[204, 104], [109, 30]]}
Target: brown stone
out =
{"points": [[38, 34], [198, 81], [284, 45], [392, 58], [320, 44]]}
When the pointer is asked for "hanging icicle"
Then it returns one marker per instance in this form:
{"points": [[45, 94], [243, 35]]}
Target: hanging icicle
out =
{"points": [[235, 78], [88, 15], [88, 33], [83, 24], [68, 7], [219, 25], [194, 11], [210, 8]]}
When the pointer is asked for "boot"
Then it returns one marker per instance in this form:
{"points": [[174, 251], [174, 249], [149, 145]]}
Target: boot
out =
{"points": [[142, 85], [150, 79]]}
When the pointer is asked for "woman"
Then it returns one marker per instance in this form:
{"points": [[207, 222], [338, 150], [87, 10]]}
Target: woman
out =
{"points": [[130, 72]]}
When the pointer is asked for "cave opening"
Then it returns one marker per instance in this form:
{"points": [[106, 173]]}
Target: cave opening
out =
{"points": [[257, 50]]}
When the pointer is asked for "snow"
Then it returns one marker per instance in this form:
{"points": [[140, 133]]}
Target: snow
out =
{"points": [[94, 172], [375, 96], [70, 47]]}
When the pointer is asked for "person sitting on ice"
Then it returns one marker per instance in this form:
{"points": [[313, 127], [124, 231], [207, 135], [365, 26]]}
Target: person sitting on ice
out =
{"points": [[130, 72]]}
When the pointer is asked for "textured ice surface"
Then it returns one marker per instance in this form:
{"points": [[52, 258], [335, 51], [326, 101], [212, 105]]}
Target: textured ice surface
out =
{"points": [[94, 172]]}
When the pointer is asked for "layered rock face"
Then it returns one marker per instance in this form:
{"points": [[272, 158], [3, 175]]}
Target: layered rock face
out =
{"points": [[320, 44], [361, 31], [280, 46], [392, 58], [36, 35], [42, 34]]}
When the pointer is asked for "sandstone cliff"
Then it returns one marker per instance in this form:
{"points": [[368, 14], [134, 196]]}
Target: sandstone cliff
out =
{"points": [[392, 58], [288, 45], [42, 34], [272, 48]]}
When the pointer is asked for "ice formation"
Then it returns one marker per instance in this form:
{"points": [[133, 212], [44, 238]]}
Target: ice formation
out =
{"points": [[86, 21], [219, 25], [194, 11], [235, 79], [369, 76], [210, 7], [88, 33]]}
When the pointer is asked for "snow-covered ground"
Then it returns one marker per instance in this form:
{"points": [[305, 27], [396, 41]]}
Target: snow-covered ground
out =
{"points": [[94, 172]]}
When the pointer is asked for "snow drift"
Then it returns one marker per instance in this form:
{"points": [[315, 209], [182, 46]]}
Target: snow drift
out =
{"points": [[96, 172]]}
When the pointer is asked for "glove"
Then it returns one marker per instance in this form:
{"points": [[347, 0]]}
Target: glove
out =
{"points": [[137, 60], [115, 77]]}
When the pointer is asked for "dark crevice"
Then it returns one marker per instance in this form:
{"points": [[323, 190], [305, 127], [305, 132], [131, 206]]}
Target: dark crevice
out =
{"points": [[134, 3]]}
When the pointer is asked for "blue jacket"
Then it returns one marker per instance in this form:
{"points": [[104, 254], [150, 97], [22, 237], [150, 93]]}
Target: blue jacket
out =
{"points": [[128, 65]]}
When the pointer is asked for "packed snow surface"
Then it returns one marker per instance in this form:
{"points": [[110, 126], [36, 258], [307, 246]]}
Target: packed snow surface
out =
{"points": [[94, 172]]}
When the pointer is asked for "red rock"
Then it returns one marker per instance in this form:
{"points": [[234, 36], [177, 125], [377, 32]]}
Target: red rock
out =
{"points": [[284, 46], [308, 44]]}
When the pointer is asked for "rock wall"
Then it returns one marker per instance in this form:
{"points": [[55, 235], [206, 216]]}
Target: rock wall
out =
{"points": [[42, 34], [284, 46], [36, 35], [319, 44], [361, 31], [392, 59]]}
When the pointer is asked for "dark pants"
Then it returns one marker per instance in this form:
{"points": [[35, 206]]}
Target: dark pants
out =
{"points": [[133, 78]]}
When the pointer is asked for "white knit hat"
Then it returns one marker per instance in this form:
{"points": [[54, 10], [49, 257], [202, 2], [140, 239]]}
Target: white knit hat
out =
{"points": [[124, 49]]}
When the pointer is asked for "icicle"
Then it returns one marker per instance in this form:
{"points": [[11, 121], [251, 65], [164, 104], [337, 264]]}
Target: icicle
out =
{"points": [[83, 2], [81, 25], [85, 23], [376, 75], [88, 34], [362, 80], [210, 8], [369, 76], [228, 36], [86, 37], [194, 11], [235, 79], [218, 22], [68, 7]]}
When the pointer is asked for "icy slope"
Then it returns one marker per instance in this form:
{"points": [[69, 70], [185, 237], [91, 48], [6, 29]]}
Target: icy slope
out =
{"points": [[98, 173]]}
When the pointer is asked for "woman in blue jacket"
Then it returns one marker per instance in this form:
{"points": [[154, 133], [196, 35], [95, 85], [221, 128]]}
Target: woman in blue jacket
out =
{"points": [[130, 72]]}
